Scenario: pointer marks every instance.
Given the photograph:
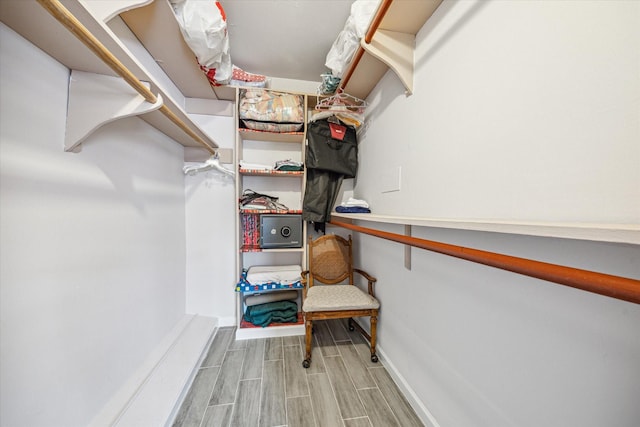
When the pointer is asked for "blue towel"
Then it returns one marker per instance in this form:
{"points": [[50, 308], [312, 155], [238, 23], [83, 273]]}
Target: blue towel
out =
{"points": [[352, 209]]}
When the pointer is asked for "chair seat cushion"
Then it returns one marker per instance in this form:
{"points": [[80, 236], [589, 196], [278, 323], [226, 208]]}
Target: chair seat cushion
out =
{"points": [[338, 297]]}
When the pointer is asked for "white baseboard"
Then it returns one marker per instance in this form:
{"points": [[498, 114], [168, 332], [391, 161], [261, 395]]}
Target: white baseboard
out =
{"points": [[418, 406], [149, 396], [271, 332], [226, 321]]}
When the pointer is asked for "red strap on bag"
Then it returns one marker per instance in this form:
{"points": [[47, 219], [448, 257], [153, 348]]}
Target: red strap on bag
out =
{"points": [[337, 131]]}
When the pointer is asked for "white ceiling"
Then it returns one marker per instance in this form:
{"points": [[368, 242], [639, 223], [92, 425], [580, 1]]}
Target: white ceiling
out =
{"points": [[284, 38]]}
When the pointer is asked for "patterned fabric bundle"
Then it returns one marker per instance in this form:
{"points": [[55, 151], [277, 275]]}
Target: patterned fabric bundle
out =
{"points": [[271, 111]]}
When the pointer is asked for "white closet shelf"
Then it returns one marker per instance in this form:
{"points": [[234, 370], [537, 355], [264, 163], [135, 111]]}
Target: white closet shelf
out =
{"points": [[391, 46], [36, 24], [270, 173], [616, 233], [277, 250], [253, 135]]}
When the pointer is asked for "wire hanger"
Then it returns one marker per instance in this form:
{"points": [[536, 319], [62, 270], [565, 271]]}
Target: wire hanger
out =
{"points": [[212, 163]]}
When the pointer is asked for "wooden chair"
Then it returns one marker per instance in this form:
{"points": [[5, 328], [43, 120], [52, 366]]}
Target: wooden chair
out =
{"points": [[331, 264]]}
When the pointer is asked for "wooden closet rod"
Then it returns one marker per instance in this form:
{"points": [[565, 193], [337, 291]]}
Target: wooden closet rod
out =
{"points": [[377, 20], [375, 23], [71, 23], [604, 284]]}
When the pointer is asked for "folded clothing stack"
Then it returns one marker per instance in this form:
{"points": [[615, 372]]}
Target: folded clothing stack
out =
{"points": [[353, 206], [252, 200], [289, 165], [274, 274], [272, 277], [272, 312], [254, 166]]}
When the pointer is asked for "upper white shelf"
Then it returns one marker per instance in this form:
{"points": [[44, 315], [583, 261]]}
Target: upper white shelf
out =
{"points": [[391, 47], [618, 233], [36, 24], [253, 135]]}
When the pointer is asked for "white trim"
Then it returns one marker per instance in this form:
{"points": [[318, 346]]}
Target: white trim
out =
{"points": [[178, 404], [149, 396], [418, 406], [270, 332], [226, 321], [618, 233]]}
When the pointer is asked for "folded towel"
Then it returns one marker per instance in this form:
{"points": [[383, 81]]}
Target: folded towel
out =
{"points": [[289, 165], [355, 202], [281, 274], [254, 166], [352, 209], [272, 312]]}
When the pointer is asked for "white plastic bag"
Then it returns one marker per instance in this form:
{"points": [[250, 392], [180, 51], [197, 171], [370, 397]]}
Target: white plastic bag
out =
{"points": [[348, 40], [204, 27]]}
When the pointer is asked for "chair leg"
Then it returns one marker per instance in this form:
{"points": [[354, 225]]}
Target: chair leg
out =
{"points": [[350, 324], [307, 342], [374, 324]]}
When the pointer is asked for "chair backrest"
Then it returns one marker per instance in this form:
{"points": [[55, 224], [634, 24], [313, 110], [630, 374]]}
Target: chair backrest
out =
{"points": [[330, 260]]}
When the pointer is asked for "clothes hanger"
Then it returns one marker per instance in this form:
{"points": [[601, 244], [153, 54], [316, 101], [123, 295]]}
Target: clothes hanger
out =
{"points": [[341, 102], [212, 163]]}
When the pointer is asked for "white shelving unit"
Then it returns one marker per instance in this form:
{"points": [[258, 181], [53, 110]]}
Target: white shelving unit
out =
{"points": [[267, 148]]}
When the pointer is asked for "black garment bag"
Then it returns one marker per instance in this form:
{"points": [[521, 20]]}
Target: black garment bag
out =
{"points": [[332, 154], [332, 147]]}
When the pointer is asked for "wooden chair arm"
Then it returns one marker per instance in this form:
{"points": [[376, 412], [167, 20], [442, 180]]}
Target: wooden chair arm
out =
{"points": [[370, 279], [304, 282], [366, 275]]}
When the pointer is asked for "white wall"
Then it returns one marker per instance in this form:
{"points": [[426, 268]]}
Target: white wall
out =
{"points": [[92, 244], [522, 110], [211, 238], [485, 347]]}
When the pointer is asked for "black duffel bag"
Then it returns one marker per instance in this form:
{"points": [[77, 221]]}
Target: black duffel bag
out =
{"points": [[332, 147]]}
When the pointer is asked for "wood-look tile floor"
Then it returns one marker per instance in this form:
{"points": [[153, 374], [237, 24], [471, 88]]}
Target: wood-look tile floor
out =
{"points": [[261, 383]]}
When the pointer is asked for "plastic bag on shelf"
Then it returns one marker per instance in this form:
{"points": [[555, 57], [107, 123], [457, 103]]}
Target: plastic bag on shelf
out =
{"points": [[203, 24], [348, 39]]}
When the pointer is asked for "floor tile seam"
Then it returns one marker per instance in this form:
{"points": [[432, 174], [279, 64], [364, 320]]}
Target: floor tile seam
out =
{"points": [[284, 373], [260, 399], [318, 373], [313, 410], [334, 391], [395, 417], [370, 388], [297, 395], [235, 396], [400, 393], [362, 363], [213, 406], [208, 398], [254, 378], [213, 387], [364, 408], [209, 367]]}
